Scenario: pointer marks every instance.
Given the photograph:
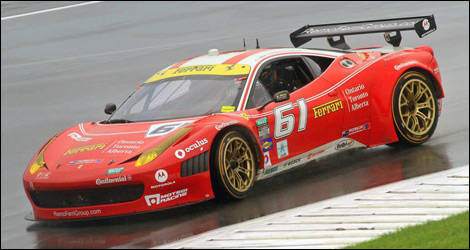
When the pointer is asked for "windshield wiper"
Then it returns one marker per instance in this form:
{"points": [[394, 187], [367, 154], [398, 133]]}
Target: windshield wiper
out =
{"points": [[119, 121]]}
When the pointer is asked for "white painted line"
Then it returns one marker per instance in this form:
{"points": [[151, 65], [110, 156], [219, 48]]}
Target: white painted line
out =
{"points": [[344, 220], [49, 10]]}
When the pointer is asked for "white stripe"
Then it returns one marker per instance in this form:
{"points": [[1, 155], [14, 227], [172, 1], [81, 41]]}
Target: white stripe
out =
{"points": [[49, 10], [121, 133], [206, 59]]}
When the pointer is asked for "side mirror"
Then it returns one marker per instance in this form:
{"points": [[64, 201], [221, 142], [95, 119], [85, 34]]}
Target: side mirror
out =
{"points": [[281, 96], [110, 108]]}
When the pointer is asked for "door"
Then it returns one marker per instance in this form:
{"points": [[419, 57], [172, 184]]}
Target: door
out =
{"points": [[301, 123]]}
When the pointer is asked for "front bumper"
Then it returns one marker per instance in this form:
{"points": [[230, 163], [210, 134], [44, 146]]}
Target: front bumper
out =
{"points": [[85, 202]]}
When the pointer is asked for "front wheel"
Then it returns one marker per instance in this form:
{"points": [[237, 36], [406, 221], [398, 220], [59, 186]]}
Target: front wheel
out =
{"points": [[414, 108], [233, 168]]}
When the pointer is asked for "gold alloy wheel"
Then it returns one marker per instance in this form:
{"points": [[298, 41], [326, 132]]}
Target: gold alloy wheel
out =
{"points": [[416, 107], [238, 164]]}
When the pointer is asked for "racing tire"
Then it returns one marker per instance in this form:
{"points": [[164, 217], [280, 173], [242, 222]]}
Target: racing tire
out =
{"points": [[233, 167], [414, 109]]}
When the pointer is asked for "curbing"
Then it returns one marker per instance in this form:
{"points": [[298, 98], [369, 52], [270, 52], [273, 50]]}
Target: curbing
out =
{"points": [[348, 219]]}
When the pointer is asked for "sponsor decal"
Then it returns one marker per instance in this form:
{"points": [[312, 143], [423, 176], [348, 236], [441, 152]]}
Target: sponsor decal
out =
{"points": [[361, 105], [267, 160], [163, 185], [227, 109], [84, 161], [85, 148], [155, 199], [426, 24], [282, 149], [112, 180], [42, 175], [124, 147], [76, 213], [354, 130], [180, 153], [399, 66], [344, 144], [263, 132], [293, 162], [311, 155], [358, 97], [267, 144], [436, 70], [165, 128], [76, 136], [244, 115], [262, 122], [354, 89], [327, 108], [208, 69], [114, 171], [161, 175], [270, 170], [358, 27], [225, 124]]}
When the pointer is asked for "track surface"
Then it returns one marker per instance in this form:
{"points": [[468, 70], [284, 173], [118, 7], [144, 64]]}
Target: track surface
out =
{"points": [[60, 68]]}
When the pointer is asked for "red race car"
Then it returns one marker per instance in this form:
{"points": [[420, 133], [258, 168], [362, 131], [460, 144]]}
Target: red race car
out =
{"points": [[210, 126]]}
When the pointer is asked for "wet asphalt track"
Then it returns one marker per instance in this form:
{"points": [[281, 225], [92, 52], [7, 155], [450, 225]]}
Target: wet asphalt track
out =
{"points": [[60, 68]]}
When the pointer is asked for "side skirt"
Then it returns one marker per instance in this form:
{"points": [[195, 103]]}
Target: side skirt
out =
{"points": [[335, 146]]}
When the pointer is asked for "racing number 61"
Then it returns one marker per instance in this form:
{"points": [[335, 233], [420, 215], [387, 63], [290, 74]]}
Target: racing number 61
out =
{"points": [[289, 120]]}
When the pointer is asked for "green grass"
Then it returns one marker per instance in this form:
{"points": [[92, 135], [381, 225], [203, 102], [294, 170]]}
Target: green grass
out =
{"points": [[451, 232]]}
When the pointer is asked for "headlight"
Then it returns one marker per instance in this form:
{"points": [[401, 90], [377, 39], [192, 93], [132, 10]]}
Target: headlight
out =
{"points": [[39, 162], [153, 153]]}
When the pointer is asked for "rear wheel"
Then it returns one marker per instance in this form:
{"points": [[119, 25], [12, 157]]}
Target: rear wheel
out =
{"points": [[233, 167], [414, 108]]}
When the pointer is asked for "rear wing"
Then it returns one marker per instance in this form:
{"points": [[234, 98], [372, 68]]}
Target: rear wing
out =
{"points": [[423, 25]]}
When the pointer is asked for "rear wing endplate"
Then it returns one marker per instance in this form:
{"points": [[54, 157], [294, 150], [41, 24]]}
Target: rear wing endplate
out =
{"points": [[423, 25]]}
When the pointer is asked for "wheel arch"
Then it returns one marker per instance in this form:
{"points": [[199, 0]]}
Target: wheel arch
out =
{"points": [[382, 121], [429, 75], [244, 131]]}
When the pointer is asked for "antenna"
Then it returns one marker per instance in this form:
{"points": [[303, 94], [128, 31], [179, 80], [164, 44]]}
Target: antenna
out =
{"points": [[257, 43], [244, 44]]}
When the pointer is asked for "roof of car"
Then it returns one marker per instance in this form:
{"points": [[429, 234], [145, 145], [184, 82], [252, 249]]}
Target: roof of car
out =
{"points": [[214, 61], [248, 57]]}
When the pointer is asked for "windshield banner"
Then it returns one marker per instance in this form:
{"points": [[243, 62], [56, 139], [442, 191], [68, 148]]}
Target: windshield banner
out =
{"points": [[208, 69]]}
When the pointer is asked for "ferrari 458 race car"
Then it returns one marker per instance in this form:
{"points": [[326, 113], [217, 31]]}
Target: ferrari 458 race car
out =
{"points": [[210, 126]]}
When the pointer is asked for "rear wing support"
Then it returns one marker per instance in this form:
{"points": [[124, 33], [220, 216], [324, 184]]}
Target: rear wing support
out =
{"points": [[423, 25]]}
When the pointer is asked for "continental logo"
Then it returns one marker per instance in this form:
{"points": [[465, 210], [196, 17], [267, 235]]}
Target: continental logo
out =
{"points": [[85, 148], [208, 69], [327, 108]]}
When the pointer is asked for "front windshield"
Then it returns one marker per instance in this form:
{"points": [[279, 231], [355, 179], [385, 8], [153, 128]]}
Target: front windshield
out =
{"points": [[183, 96]]}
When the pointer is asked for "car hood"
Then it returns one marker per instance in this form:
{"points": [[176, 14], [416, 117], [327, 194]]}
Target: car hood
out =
{"points": [[96, 144]]}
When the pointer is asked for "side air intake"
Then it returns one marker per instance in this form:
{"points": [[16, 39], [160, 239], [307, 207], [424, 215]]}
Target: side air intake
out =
{"points": [[195, 165]]}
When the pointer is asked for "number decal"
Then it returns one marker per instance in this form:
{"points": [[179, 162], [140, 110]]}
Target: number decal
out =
{"points": [[284, 124], [165, 128], [302, 114], [280, 120]]}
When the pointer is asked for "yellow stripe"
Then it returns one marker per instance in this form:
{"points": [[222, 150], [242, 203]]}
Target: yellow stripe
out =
{"points": [[208, 69]]}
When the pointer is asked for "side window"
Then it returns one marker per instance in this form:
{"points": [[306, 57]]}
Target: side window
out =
{"points": [[318, 64], [287, 74]]}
